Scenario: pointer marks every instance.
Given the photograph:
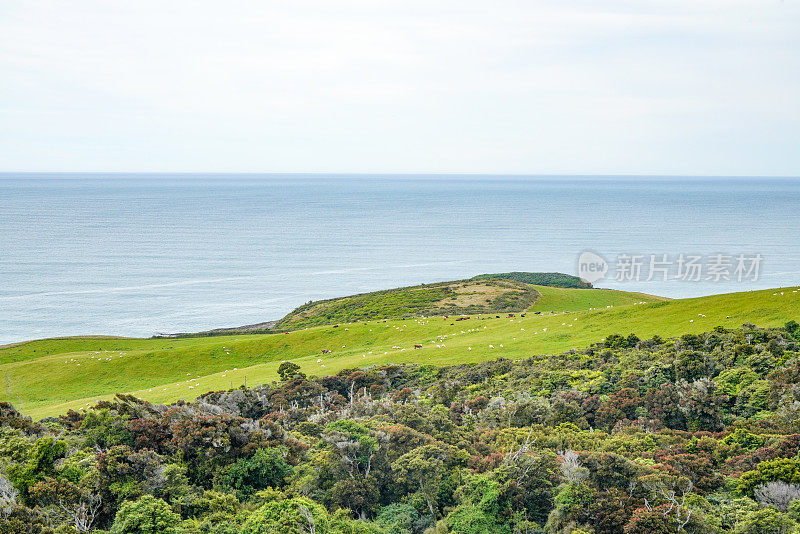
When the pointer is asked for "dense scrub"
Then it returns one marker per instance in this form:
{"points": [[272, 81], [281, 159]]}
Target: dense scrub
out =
{"points": [[695, 434], [540, 279]]}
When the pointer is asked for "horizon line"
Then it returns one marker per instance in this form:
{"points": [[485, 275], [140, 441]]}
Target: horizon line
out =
{"points": [[4, 174]]}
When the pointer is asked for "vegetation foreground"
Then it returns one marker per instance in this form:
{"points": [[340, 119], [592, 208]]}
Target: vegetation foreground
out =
{"points": [[510, 423], [699, 433]]}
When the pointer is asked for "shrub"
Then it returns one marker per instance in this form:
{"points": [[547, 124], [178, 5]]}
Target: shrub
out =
{"points": [[266, 468], [766, 521], [147, 515]]}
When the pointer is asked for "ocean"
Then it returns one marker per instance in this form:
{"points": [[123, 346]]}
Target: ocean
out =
{"points": [[136, 255]]}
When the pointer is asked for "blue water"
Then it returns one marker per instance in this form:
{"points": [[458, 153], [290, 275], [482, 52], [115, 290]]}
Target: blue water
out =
{"points": [[142, 254]]}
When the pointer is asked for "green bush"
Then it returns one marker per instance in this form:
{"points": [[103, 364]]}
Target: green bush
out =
{"points": [[147, 515], [766, 521], [266, 468]]}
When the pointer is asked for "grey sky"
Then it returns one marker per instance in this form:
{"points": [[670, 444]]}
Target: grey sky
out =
{"points": [[616, 87]]}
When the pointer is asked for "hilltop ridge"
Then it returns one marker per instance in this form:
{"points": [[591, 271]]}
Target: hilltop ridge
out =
{"points": [[512, 292]]}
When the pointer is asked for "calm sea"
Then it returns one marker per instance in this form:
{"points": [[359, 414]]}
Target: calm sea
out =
{"points": [[141, 254]]}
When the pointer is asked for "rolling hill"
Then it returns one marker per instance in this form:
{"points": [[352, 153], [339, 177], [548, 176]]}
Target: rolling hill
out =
{"points": [[485, 293], [444, 298], [48, 377]]}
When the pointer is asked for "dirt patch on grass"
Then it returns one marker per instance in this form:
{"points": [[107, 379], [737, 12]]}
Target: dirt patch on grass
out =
{"points": [[478, 293]]}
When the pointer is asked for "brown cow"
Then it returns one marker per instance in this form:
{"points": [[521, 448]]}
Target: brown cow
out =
{"points": [[417, 346]]}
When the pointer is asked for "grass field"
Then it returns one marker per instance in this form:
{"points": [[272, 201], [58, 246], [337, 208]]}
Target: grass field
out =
{"points": [[561, 299], [48, 377]]}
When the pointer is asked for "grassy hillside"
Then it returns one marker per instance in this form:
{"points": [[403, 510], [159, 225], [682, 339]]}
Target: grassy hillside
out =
{"points": [[567, 299], [485, 293], [444, 298], [48, 377]]}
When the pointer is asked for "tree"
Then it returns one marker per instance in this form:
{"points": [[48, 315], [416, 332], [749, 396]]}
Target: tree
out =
{"points": [[744, 439], [360, 495], [299, 515], [355, 445], [207, 442], [780, 469], [397, 518], [8, 496], [147, 515], [766, 521], [528, 481], [701, 405], [611, 510], [663, 403], [672, 494], [778, 494], [793, 328], [648, 520], [423, 469], [39, 465], [470, 520], [266, 468], [289, 370], [70, 503], [620, 405]]}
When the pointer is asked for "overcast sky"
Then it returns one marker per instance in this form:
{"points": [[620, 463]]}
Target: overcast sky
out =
{"points": [[529, 86]]}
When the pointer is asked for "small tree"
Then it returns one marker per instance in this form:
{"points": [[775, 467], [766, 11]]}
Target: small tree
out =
{"points": [[793, 328], [397, 518], [8, 497], [766, 521], [778, 493], [571, 469], [423, 469], [354, 443], [148, 515], [299, 515], [266, 468], [672, 493], [289, 370], [70, 502]]}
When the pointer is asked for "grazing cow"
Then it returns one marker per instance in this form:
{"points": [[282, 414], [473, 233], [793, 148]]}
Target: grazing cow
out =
{"points": [[417, 346], [336, 326], [511, 315], [326, 351]]}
